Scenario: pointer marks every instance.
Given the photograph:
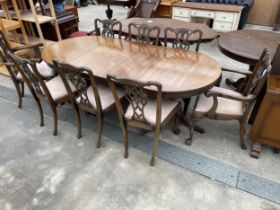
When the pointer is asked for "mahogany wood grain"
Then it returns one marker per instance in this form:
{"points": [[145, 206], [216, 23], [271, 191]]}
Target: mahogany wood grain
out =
{"points": [[247, 46], [208, 34], [181, 73]]}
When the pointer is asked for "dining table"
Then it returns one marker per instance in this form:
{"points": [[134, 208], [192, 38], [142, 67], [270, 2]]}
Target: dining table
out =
{"points": [[182, 73], [208, 34]]}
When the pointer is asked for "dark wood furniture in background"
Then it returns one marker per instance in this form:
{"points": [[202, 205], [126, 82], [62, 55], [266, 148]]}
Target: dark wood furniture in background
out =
{"points": [[246, 46], [263, 12], [266, 128], [109, 11], [67, 23], [144, 9], [208, 34], [277, 21], [165, 9]]}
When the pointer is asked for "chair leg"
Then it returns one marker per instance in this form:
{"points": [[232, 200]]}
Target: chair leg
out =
{"points": [[54, 112], [241, 133], [39, 106], [100, 130], [22, 89], [125, 142], [155, 146], [17, 85], [78, 118]]}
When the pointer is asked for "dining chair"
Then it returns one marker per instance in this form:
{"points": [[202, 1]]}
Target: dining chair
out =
{"points": [[144, 9], [182, 38], [109, 27], [144, 33], [105, 28], [25, 51], [89, 96], [53, 90], [224, 104], [143, 111]]}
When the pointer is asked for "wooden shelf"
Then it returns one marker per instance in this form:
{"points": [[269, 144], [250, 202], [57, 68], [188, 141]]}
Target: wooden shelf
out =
{"points": [[41, 19]]}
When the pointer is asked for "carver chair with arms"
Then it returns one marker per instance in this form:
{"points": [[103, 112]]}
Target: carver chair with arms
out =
{"points": [[144, 33], [144, 9], [224, 104], [32, 51], [53, 90], [89, 96], [143, 112]]}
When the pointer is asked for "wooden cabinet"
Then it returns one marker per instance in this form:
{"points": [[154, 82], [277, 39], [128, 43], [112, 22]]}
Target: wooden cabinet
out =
{"points": [[165, 9], [266, 127], [263, 12], [223, 17]]}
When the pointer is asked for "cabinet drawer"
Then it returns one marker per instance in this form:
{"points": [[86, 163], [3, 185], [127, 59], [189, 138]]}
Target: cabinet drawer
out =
{"points": [[181, 12], [201, 13], [182, 18], [223, 16], [222, 26]]}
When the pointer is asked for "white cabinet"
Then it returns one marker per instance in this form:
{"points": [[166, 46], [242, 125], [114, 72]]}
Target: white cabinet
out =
{"points": [[225, 17]]}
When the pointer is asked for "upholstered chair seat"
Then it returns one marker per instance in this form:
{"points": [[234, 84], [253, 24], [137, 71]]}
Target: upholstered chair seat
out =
{"points": [[167, 108], [44, 70], [226, 107], [57, 89], [106, 97]]}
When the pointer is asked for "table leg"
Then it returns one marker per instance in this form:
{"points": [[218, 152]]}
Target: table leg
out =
{"points": [[186, 106], [109, 12], [180, 118]]}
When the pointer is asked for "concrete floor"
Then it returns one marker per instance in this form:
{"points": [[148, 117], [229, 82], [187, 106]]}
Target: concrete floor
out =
{"points": [[39, 171]]}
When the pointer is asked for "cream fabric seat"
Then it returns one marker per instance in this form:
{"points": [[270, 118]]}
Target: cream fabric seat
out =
{"points": [[105, 94], [225, 106], [43, 68], [150, 110], [57, 88]]}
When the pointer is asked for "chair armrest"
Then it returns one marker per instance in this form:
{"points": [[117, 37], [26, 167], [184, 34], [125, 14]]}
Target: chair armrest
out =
{"points": [[34, 47], [7, 64], [217, 93], [246, 73], [37, 45]]}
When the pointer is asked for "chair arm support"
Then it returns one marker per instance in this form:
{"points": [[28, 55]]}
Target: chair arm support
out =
{"points": [[246, 73], [32, 46], [245, 99], [7, 64]]}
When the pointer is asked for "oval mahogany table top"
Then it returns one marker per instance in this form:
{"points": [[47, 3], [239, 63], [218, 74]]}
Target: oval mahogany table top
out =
{"points": [[182, 73], [247, 46], [208, 34]]}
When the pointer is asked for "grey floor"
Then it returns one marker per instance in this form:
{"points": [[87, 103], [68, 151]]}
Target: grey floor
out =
{"points": [[39, 171]]}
